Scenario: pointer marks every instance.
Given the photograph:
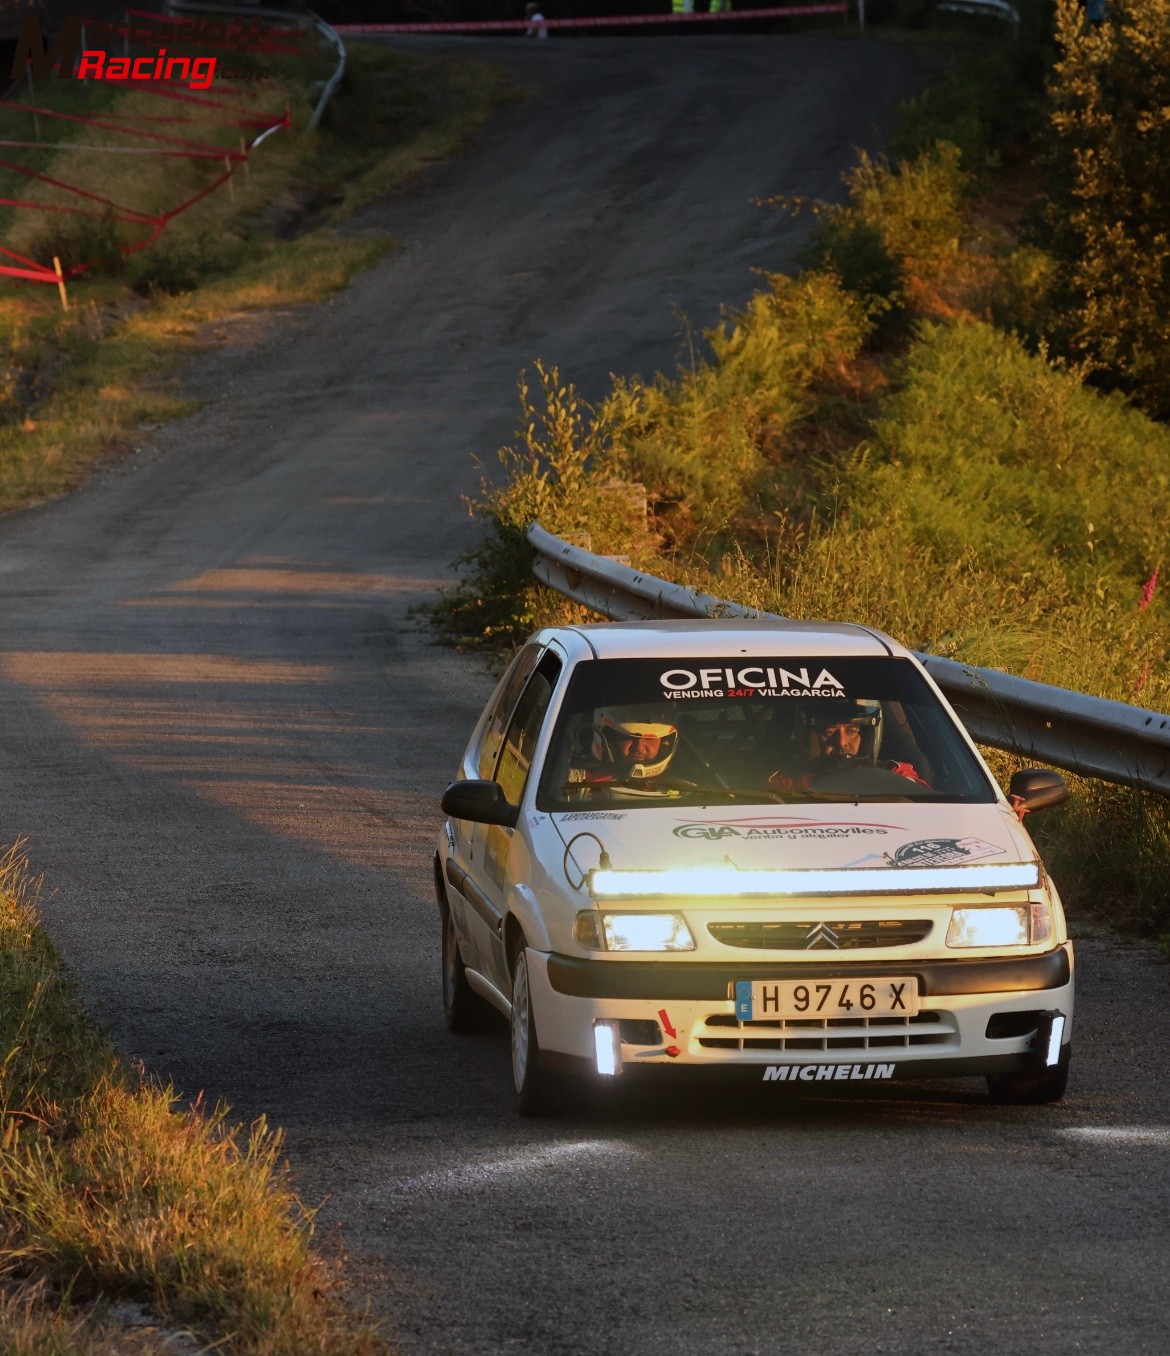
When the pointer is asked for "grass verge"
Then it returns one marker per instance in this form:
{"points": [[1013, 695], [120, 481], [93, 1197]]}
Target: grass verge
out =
{"points": [[76, 386], [128, 1223]]}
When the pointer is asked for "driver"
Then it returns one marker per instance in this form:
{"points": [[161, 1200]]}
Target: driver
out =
{"points": [[842, 732], [628, 745]]}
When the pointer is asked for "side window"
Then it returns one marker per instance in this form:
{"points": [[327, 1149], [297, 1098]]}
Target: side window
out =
{"points": [[501, 708], [524, 729]]}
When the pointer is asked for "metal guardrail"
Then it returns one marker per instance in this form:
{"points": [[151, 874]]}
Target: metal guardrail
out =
{"points": [[995, 9], [331, 35], [289, 18], [1087, 735]]}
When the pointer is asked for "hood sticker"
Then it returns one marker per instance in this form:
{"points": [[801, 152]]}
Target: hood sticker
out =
{"points": [[934, 852], [781, 827], [592, 814], [943, 852]]}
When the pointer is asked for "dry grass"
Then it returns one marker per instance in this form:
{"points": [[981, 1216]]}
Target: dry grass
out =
{"points": [[112, 1194]]}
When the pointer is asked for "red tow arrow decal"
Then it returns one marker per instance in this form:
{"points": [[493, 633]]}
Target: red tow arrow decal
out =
{"points": [[665, 1020]]}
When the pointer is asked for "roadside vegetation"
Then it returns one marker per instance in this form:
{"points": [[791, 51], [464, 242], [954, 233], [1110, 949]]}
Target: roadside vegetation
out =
{"points": [[128, 1222], [131, 1221], [77, 385], [944, 425]]}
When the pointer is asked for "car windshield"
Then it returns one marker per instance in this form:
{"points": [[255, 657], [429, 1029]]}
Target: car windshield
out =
{"points": [[759, 731]]}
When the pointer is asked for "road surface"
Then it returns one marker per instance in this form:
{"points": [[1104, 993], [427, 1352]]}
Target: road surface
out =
{"points": [[225, 741]]}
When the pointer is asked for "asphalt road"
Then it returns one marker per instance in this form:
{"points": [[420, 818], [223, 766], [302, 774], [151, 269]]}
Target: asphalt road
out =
{"points": [[225, 743]]}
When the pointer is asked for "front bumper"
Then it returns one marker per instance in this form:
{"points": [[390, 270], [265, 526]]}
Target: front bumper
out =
{"points": [[975, 1017]]}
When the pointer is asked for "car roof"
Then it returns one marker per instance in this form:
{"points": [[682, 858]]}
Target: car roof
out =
{"points": [[763, 638]]}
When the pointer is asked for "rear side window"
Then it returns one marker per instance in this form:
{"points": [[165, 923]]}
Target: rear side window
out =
{"points": [[502, 705], [524, 729]]}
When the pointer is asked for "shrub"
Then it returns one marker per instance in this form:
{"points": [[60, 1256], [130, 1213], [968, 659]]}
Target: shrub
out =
{"points": [[179, 263], [93, 241], [707, 437], [897, 234], [1110, 167], [563, 475]]}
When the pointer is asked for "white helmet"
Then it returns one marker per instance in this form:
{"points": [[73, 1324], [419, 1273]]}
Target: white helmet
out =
{"points": [[634, 745], [863, 712]]}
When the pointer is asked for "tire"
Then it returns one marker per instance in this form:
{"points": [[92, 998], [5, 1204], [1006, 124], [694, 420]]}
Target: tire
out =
{"points": [[462, 1006], [1030, 1089], [532, 1082]]}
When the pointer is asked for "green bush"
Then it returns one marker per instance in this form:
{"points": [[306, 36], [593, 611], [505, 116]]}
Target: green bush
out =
{"points": [[700, 448], [990, 103], [93, 241], [897, 234], [996, 515], [561, 474], [1110, 169], [179, 263], [706, 438]]}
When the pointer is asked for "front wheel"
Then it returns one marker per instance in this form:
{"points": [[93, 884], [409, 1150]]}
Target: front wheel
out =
{"points": [[1030, 1089], [531, 1081]]}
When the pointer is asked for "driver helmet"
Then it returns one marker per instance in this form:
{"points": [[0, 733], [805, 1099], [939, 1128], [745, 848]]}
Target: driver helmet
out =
{"points": [[635, 744], [864, 713]]}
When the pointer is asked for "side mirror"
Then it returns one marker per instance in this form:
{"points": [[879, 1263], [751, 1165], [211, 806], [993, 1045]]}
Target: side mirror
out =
{"points": [[1036, 788], [481, 803]]}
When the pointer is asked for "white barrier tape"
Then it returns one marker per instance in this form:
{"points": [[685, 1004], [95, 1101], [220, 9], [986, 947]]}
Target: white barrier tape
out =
{"points": [[606, 21]]}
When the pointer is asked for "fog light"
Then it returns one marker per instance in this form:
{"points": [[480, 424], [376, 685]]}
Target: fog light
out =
{"points": [[607, 1048], [1055, 1036]]}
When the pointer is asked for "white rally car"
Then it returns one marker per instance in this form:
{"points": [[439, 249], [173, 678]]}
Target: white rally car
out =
{"points": [[758, 848]]}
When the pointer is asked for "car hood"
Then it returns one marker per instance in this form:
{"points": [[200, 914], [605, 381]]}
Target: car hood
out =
{"points": [[797, 837]]}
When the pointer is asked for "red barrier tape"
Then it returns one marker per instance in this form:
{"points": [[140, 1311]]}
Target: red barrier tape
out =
{"points": [[136, 220], [113, 127], [215, 153], [606, 21], [37, 272], [128, 213], [235, 28]]}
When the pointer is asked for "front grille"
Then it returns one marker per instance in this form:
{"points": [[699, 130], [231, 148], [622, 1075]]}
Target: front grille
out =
{"points": [[723, 1032], [855, 935]]}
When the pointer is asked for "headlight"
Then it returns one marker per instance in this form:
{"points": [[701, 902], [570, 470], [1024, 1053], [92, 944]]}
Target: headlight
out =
{"points": [[1017, 925], [632, 932]]}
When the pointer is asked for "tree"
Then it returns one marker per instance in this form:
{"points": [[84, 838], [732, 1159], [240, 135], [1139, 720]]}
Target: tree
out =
{"points": [[1109, 111]]}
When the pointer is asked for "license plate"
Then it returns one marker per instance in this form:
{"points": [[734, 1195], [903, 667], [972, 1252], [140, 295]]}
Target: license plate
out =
{"points": [[787, 999]]}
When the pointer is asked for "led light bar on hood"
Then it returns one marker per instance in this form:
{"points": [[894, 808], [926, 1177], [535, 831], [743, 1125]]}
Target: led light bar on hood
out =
{"points": [[729, 881]]}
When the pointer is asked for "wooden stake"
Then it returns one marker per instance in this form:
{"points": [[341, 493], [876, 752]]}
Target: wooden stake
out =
{"points": [[60, 283], [32, 95], [244, 153], [227, 160]]}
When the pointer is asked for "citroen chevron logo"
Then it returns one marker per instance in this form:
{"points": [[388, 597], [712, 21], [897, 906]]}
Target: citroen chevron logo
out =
{"points": [[820, 934]]}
